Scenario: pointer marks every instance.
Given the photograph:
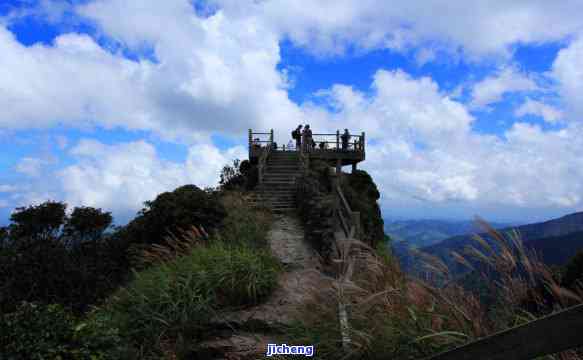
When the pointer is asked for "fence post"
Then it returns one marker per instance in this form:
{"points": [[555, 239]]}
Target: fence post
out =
{"points": [[250, 143]]}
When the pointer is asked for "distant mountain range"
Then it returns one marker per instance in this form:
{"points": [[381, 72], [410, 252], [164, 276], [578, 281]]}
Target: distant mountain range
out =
{"points": [[555, 240], [426, 232]]}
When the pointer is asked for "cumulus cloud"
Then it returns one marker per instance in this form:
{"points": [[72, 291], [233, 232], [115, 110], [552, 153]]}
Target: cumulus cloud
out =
{"points": [[548, 113], [491, 89], [208, 74], [422, 148], [477, 29], [217, 73], [568, 72], [8, 188], [121, 177], [30, 166]]}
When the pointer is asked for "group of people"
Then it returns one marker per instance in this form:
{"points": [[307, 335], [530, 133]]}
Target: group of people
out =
{"points": [[303, 137]]}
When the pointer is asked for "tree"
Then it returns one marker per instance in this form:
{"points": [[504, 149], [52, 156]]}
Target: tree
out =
{"points": [[42, 221], [242, 175], [87, 224], [44, 257], [574, 271], [174, 211], [3, 236]]}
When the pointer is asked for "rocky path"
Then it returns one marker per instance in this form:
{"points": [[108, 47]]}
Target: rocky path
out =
{"points": [[286, 239], [248, 331]]}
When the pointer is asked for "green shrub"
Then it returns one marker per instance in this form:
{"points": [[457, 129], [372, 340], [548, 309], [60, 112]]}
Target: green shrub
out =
{"points": [[362, 194], [573, 273], [244, 225], [49, 257], [173, 211], [178, 298], [49, 332]]}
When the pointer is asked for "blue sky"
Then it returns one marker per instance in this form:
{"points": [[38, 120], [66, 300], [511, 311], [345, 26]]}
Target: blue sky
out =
{"points": [[468, 110]]}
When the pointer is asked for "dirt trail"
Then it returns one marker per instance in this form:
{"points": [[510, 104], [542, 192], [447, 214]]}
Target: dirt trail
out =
{"points": [[248, 331]]}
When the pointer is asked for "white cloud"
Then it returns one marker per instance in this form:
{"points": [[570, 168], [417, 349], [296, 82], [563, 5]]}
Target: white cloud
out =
{"points": [[121, 177], [212, 74], [218, 74], [30, 166], [422, 148], [477, 28], [533, 107], [568, 72], [8, 188], [491, 89]]}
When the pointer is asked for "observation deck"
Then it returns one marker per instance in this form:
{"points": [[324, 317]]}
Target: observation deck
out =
{"points": [[337, 149]]}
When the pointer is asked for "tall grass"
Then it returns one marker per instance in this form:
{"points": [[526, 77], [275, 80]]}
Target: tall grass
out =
{"points": [[184, 286], [392, 315]]}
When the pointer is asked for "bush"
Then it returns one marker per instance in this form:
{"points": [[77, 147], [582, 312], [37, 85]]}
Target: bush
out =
{"points": [[48, 257], [316, 206], [49, 332], [172, 212], [242, 175], [573, 276], [177, 299], [362, 195], [244, 225]]}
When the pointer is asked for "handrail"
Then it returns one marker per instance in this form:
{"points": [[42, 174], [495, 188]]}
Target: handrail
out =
{"points": [[265, 151], [355, 143], [349, 220], [344, 202], [548, 335], [262, 163]]}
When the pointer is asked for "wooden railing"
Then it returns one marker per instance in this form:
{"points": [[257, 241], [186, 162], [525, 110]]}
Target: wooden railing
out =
{"points": [[349, 220], [337, 142], [545, 336], [262, 142]]}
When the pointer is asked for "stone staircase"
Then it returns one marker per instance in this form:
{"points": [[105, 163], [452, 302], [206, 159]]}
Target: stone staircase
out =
{"points": [[278, 190]]}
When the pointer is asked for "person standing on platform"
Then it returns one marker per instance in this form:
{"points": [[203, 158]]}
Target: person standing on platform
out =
{"points": [[345, 138], [297, 136], [307, 135]]}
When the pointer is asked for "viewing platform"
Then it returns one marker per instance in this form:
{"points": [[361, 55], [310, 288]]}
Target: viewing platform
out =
{"points": [[336, 149]]}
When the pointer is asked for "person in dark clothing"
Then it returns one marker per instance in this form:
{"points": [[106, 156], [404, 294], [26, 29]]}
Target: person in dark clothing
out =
{"points": [[307, 138], [297, 136], [345, 138]]}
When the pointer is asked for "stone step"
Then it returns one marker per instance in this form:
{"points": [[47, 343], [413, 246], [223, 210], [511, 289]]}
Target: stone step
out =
{"points": [[289, 164], [265, 189], [278, 183], [277, 198], [283, 166], [280, 195], [288, 188], [290, 174], [277, 176]]}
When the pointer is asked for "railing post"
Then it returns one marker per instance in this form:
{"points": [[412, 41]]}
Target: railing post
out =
{"points": [[337, 140], [250, 143], [271, 139], [355, 219], [362, 143], [334, 180]]}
